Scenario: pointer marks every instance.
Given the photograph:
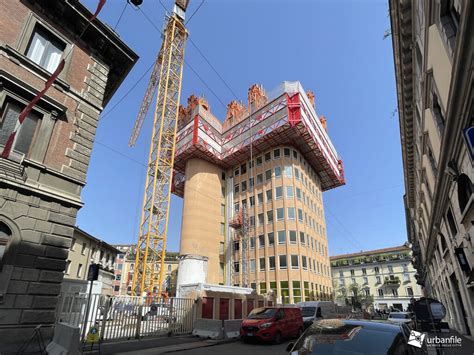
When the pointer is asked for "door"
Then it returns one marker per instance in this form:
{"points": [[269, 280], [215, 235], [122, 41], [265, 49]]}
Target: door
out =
{"points": [[207, 308], [223, 308], [237, 309]]}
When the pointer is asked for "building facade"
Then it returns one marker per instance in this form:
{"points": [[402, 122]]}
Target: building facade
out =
{"points": [[125, 264], [253, 213], [433, 44], [86, 250], [386, 274], [42, 178]]}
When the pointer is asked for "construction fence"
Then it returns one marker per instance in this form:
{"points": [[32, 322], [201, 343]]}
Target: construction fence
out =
{"points": [[127, 317]]}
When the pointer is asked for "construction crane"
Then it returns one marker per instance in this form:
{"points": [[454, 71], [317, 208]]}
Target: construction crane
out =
{"points": [[167, 78]]}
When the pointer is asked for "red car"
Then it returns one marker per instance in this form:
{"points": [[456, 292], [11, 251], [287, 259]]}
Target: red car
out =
{"points": [[272, 324]]}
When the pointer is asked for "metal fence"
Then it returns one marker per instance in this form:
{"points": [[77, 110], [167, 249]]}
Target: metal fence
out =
{"points": [[127, 317]]}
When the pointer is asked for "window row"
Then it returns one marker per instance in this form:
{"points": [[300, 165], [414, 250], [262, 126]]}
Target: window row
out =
{"points": [[293, 261], [311, 290], [376, 270]]}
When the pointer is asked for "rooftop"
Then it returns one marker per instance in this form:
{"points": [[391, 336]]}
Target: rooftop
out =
{"points": [[371, 252], [285, 116]]}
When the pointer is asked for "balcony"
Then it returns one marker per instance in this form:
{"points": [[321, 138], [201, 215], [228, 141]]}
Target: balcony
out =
{"points": [[392, 281]]}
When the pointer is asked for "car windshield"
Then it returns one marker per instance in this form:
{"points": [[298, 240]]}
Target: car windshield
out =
{"points": [[399, 316], [308, 311], [262, 313], [335, 336]]}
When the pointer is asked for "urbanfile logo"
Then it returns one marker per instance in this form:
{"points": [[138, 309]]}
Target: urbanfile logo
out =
{"points": [[416, 339]]}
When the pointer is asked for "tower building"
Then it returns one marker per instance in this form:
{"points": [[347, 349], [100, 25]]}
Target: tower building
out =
{"points": [[252, 185]]}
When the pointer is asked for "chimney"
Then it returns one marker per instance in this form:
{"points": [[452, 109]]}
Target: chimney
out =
{"points": [[310, 95], [257, 97], [322, 119]]}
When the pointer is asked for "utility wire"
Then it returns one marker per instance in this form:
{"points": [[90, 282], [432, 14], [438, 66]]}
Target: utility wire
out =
{"points": [[194, 13], [120, 17], [128, 92]]}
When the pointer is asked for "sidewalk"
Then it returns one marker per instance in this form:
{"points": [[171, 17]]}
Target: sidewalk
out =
{"points": [[155, 345]]}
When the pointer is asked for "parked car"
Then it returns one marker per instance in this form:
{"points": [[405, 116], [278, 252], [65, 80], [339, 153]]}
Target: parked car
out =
{"points": [[272, 324], [344, 336], [400, 317], [313, 310]]}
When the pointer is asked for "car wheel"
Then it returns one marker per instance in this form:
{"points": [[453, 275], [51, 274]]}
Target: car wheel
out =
{"points": [[277, 338], [245, 340]]}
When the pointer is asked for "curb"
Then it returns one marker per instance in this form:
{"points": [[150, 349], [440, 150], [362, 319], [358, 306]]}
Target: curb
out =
{"points": [[201, 344]]}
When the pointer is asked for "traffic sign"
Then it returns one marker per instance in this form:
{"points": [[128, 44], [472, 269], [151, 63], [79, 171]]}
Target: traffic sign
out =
{"points": [[93, 335]]}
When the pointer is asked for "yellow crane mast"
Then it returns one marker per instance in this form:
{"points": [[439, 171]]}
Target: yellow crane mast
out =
{"points": [[167, 74]]}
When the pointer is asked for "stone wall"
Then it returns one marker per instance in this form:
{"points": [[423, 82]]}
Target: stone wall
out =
{"points": [[41, 247]]}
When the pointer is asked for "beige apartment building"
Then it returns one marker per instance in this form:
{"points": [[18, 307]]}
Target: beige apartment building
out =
{"points": [[86, 250], [433, 43], [253, 213], [124, 266], [386, 274]]}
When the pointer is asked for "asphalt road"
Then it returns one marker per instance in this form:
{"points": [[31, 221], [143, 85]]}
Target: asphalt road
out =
{"points": [[240, 348]]}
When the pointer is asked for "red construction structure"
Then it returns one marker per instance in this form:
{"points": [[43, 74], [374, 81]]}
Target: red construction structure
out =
{"points": [[288, 117]]}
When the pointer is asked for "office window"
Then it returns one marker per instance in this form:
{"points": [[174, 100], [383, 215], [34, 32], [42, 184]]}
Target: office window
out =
{"points": [[295, 154], [252, 221], [236, 207], [236, 267], [252, 242], [390, 268], [268, 175], [341, 273], [277, 172], [352, 272], [244, 204], [281, 237], [260, 198], [353, 280], [262, 264], [367, 291], [251, 183], [271, 262], [409, 291], [243, 169], [259, 179], [282, 261], [294, 261], [222, 228], [237, 172], [244, 186], [376, 270], [261, 220], [68, 266], [252, 265], [298, 193], [236, 189], [259, 160], [380, 292], [269, 195], [83, 250], [236, 246], [45, 50], [276, 153], [406, 277], [251, 164], [288, 171], [118, 277], [261, 241], [73, 245], [377, 279], [300, 215], [297, 174], [289, 192], [222, 210], [223, 192], [271, 238], [252, 201], [280, 214], [394, 292], [278, 192], [302, 239], [268, 156], [270, 216], [79, 270], [304, 262], [364, 271], [286, 152], [366, 280], [292, 234], [291, 212]]}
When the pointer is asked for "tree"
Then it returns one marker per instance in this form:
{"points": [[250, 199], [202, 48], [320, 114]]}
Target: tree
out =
{"points": [[357, 297]]}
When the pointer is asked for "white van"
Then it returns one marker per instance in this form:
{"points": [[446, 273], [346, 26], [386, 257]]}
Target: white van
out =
{"points": [[313, 310]]}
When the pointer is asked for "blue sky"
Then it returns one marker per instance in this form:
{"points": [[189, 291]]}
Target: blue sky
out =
{"points": [[335, 48]]}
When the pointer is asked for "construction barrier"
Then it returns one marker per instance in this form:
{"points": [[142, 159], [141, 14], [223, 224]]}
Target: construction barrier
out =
{"points": [[65, 340], [232, 328], [208, 328]]}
